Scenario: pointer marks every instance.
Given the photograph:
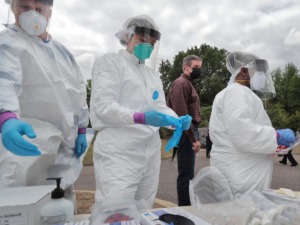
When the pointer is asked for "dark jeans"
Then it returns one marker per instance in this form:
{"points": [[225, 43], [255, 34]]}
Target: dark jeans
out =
{"points": [[186, 165]]}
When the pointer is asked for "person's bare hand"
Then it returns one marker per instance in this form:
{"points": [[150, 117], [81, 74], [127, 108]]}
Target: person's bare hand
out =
{"points": [[196, 146]]}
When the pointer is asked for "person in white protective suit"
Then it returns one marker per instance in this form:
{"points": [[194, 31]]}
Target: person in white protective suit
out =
{"points": [[241, 132], [42, 97], [128, 107]]}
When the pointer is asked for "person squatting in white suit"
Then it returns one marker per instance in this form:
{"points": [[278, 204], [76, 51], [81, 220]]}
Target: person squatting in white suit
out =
{"points": [[128, 107], [240, 129]]}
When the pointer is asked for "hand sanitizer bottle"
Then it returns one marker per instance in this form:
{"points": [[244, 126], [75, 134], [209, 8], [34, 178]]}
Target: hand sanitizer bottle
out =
{"points": [[58, 210]]}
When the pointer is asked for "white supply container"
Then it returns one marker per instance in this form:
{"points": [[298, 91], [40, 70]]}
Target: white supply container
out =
{"points": [[21, 205], [58, 210]]}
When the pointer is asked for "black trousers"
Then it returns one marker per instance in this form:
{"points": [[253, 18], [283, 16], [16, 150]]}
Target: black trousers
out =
{"points": [[186, 165], [290, 157], [208, 149]]}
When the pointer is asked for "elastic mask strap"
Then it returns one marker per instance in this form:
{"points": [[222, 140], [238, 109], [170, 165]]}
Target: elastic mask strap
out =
{"points": [[244, 82]]}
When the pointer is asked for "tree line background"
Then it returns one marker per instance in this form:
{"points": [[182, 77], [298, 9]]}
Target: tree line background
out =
{"points": [[283, 110]]}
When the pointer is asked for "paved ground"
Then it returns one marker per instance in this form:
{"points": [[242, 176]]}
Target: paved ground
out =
{"points": [[283, 176]]}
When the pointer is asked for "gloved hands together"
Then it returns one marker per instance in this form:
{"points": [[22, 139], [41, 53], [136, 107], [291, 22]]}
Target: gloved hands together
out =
{"points": [[186, 122], [12, 131], [80, 145], [158, 119]]}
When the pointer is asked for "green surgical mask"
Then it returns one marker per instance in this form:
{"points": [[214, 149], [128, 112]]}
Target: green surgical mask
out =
{"points": [[143, 51]]}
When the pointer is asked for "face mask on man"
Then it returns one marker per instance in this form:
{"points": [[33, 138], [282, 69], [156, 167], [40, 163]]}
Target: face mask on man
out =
{"points": [[258, 81], [196, 73], [143, 51], [33, 23]]}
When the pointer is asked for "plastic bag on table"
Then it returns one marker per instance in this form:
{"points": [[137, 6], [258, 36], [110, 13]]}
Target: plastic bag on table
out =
{"points": [[209, 186], [213, 201], [114, 210]]}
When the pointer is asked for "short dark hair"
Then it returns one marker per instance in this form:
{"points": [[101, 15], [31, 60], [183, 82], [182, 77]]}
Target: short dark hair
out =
{"points": [[188, 59]]}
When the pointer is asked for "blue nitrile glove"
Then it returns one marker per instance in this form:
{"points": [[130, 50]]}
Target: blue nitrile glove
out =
{"points": [[12, 131], [173, 141], [158, 119], [286, 137], [80, 145], [186, 122]]}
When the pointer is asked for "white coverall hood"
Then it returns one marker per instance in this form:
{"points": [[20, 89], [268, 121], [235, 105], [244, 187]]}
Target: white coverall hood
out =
{"points": [[261, 81], [235, 61]]}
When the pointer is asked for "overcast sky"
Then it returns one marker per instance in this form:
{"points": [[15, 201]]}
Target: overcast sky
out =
{"points": [[268, 28]]}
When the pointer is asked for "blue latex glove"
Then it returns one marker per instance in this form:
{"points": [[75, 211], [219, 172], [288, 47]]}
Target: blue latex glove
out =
{"points": [[286, 137], [158, 119], [80, 145], [12, 131], [176, 135], [186, 122]]}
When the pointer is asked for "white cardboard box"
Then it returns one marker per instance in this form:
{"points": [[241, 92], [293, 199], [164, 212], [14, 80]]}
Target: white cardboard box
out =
{"points": [[21, 205]]}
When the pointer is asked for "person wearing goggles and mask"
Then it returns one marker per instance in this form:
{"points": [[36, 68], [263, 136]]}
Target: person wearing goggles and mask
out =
{"points": [[128, 107], [240, 129], [183, 99], [43, 97]]}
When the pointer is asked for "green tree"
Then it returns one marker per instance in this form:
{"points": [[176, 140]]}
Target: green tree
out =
{"points": [[287, 86], [88, 91], [164, 70], [205, 115], [278, 115], [215, 75], [294, 121], [88, 95]]}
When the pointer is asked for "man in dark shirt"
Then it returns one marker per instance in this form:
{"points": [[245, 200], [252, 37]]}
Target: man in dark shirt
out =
{"points": [[183, 99]]}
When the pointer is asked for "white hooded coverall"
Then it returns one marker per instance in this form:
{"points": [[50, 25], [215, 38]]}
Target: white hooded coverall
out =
{"points": [[126, 155], [243, 139], [41, 83]]}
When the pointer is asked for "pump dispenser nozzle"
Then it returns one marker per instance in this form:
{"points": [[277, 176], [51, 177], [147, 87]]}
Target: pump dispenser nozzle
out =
{"points": [[57, 210], [58, 192]]}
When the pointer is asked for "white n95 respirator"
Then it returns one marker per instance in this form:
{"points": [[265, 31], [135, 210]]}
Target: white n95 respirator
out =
{"points": [[33, 23]]}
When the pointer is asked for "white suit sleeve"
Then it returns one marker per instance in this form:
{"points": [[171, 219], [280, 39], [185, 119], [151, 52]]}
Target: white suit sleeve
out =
{"points": [[240, 119], [10, 76], [106, 91]]}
